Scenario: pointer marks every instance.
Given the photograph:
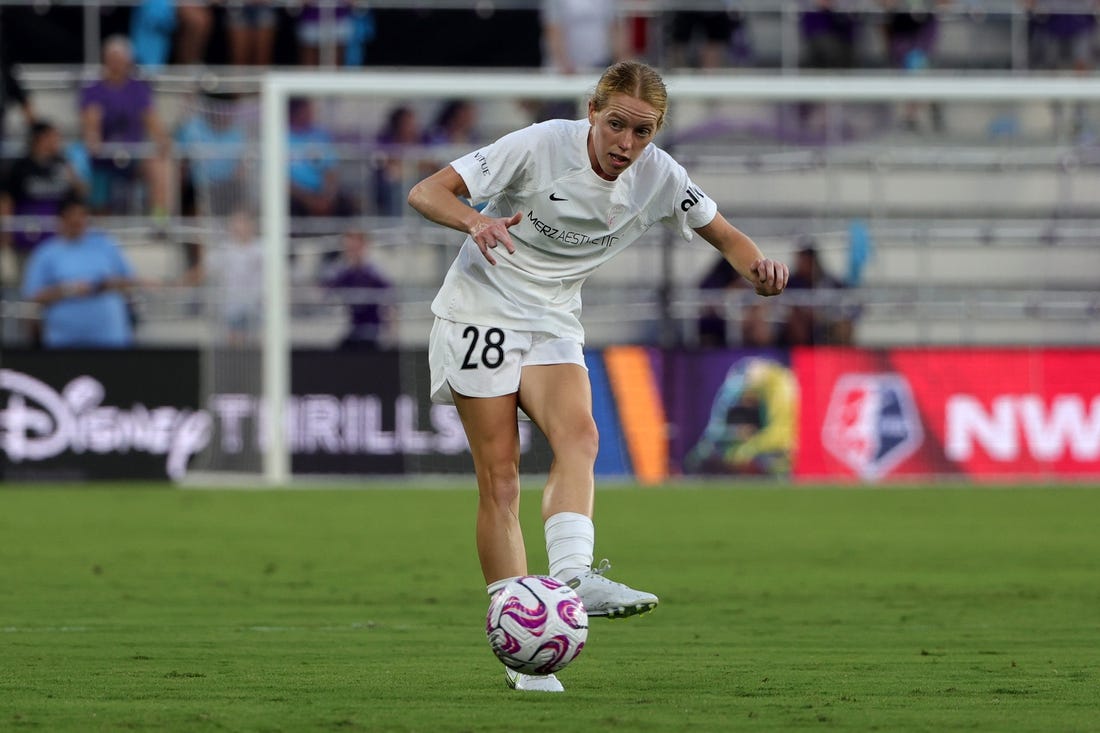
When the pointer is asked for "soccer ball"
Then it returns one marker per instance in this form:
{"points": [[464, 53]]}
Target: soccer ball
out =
{"points": [[536, 624]]}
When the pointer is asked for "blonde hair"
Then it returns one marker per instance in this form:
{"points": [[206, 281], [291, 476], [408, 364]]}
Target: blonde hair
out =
{"points": [[634, 79]]}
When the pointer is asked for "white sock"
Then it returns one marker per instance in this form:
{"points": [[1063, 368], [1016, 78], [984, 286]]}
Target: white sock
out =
{"points": [[498, 585], [570, 539]]}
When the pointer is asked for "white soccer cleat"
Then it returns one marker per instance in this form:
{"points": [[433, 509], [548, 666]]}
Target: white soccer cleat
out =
{"points": [[532, 682], [604, 597]]}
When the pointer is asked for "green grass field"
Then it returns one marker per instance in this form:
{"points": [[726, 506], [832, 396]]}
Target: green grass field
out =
{"points": [[142, 608]]}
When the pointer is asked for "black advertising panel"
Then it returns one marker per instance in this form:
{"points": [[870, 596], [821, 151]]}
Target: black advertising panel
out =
{"points": [[371, 413], [143, 414], [82, 415]]}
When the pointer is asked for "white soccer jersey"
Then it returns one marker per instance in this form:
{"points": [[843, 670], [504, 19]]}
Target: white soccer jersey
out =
{"points": [[573, 222]]}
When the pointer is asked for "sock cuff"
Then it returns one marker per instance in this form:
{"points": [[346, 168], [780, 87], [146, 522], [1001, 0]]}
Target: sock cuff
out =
{"points": [[566, 517]]}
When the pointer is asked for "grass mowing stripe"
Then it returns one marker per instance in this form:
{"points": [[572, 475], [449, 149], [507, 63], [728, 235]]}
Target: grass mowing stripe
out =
{"points": [[921, 609]]}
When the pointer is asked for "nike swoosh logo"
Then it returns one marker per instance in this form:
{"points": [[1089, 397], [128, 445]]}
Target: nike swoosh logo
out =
{"points": [[555, 198]]}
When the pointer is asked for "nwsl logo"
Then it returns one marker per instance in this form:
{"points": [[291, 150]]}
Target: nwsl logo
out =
{"points": [[872, 424]]}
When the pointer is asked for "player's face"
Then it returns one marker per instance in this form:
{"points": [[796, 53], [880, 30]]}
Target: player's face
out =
{"points": [[620, 132]]}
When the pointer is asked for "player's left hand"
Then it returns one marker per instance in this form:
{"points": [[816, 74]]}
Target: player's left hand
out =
{"points": [[769, 276]]}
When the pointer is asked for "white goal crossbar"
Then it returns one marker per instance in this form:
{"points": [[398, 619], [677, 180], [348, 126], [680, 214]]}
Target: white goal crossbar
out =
{"points": [[278, 87]]}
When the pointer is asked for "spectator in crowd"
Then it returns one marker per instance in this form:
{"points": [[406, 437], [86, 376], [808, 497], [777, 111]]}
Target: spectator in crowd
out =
{"points": [[828, 42], [35, 186], [195, 19], [315, 187], [910, 37], [362, 34], [828, 36], [324, 28], [704, 38], [213, 143], [81, 279], [232, 270], [911, 34], [456, 124], [251, 26], [119, 111], [155, 24], [1064, 42], [581, 36], [578, 37], [713, 328], [11, 93], [364, 289], [401, 132], [807, 324]]}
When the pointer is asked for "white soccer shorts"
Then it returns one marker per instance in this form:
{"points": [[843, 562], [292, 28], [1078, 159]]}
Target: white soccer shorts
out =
{"points": [[484, 361]]}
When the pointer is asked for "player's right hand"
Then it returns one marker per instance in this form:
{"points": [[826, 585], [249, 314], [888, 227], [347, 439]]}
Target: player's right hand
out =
{"points": [[489, 233]]}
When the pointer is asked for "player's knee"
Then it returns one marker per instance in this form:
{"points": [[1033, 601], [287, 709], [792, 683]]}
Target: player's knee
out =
{"points": [[500, 485], [580, 439]]}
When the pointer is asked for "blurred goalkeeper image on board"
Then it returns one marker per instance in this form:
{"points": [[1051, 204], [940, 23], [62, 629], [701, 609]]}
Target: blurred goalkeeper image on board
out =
{"points": [[751, 429]]}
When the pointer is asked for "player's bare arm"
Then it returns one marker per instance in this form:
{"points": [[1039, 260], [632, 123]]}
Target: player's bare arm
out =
{"points": [[767, 276], [437, 198]]}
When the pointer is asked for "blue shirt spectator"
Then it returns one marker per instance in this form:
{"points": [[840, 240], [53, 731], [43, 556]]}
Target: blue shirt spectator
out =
{"points": [[312, 156], [80, 278], [214, 143], [314, 167]]}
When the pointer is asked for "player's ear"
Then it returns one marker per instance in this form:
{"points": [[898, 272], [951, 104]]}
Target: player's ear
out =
{"points": [[591, 112]]}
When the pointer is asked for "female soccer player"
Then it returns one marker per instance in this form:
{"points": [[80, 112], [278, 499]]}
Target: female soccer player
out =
{"points": [[563, 198]]}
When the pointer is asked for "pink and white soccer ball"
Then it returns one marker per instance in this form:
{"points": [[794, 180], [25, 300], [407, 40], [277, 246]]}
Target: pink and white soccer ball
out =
{"points": [[536, 624]]}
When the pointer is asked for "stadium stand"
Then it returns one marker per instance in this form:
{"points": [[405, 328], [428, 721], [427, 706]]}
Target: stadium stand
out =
{"points": [[984, 233]]}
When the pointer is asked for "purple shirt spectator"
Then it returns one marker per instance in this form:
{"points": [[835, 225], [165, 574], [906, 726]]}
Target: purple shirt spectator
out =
{"points": [[1069, 25], [1063, 40], [366, 317], [827, 22], [124, 107], [118, 110], [335, 11], [364, 288], [829, 37]]}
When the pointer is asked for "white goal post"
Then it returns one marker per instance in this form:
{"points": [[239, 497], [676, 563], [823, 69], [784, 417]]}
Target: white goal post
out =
{"points": [[278, 88]]}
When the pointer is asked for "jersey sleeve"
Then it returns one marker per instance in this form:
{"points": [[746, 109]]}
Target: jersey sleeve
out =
{"points": [[498, 166], [691, 208]]}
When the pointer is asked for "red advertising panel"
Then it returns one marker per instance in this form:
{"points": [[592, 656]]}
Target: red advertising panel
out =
{"points": [[981, 413]]}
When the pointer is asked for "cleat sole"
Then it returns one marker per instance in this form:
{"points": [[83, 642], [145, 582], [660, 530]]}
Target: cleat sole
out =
{"points": [[624, 611]]}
